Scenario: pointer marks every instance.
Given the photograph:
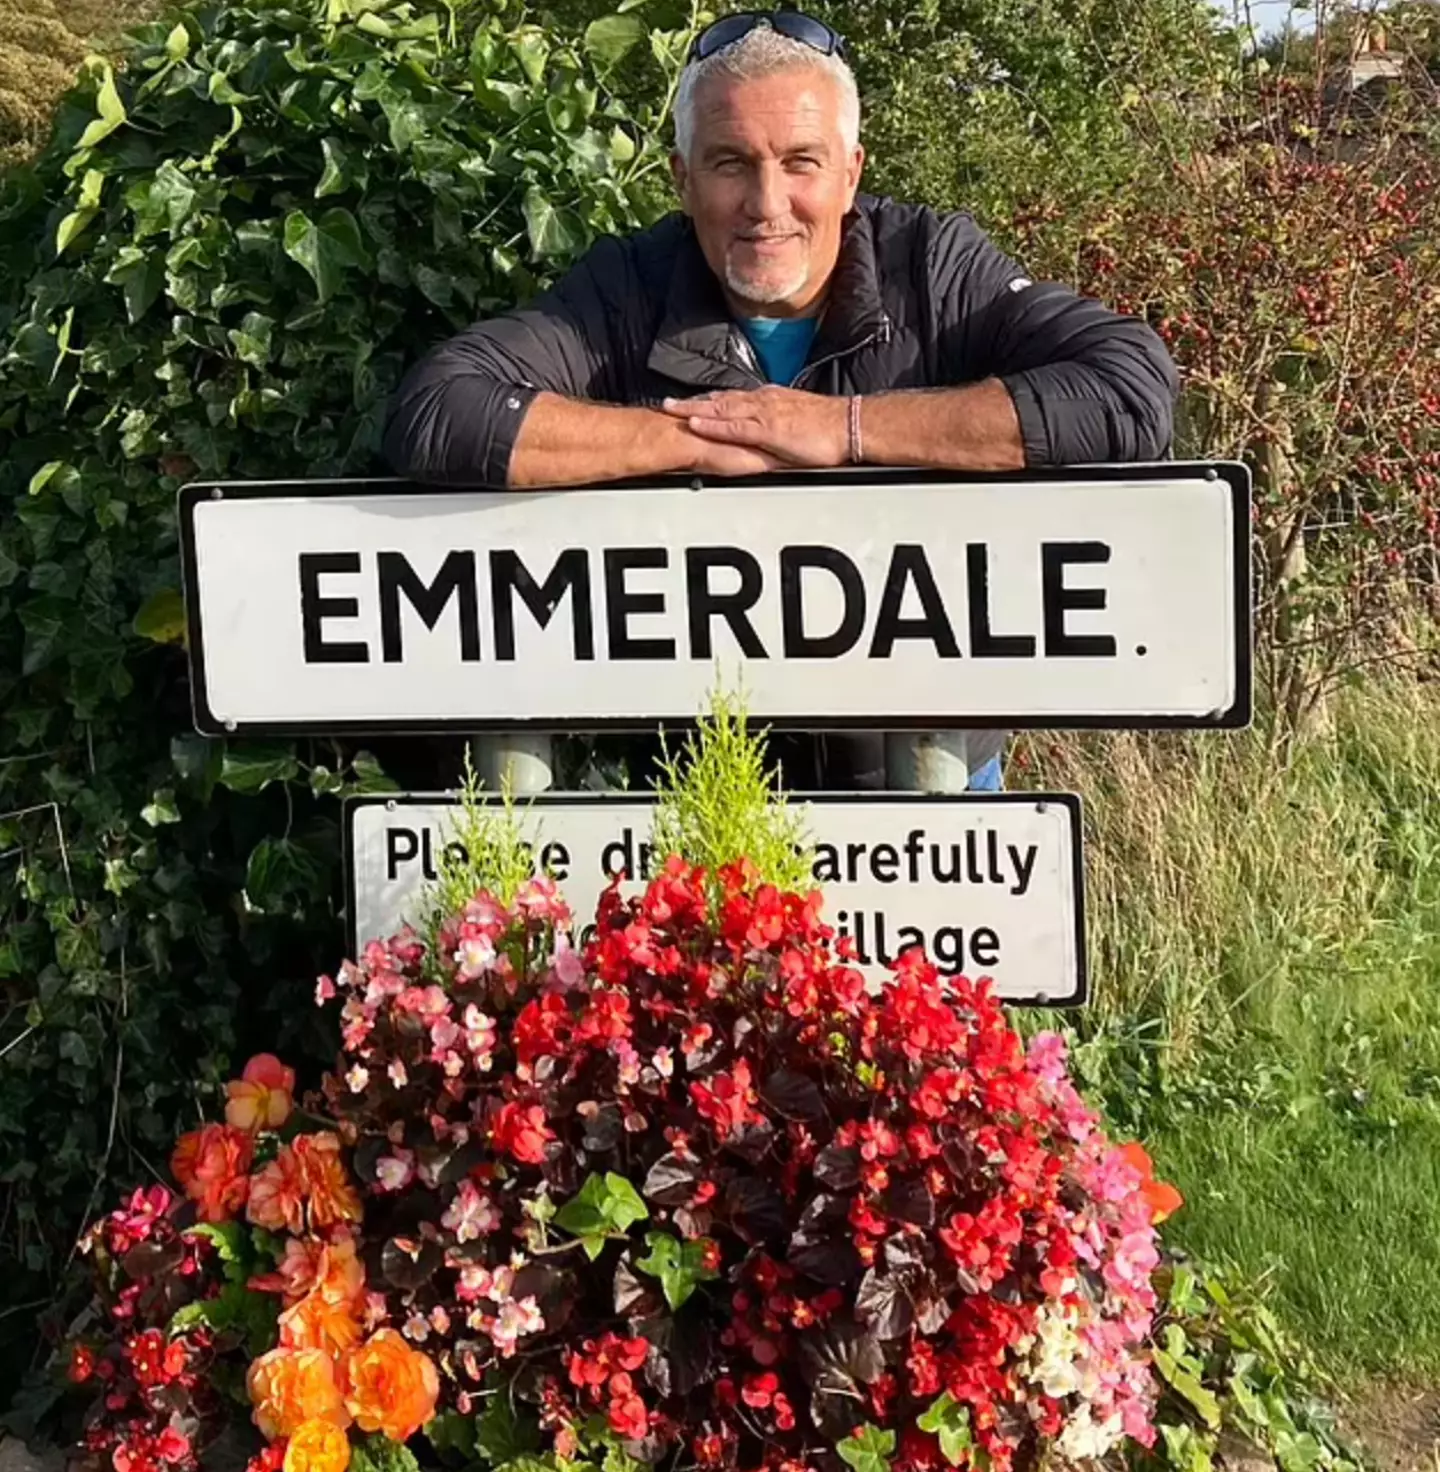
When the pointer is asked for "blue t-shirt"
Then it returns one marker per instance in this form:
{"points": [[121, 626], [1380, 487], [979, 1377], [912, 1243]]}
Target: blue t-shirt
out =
{"points": [[781, 343]]}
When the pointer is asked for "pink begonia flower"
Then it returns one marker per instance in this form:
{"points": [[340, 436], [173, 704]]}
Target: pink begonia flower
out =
{"points": [[568, 969], [325, 990], [480, 1037], [398, 1074], [395, 1171], [1046, 1056], [516, 1318], [474, 956], [488, 913], [444, 1034], [539, 899], [471, 1214]]}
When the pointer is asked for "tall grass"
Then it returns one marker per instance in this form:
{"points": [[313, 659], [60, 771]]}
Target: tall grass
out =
{"points": [[1265, 933]]}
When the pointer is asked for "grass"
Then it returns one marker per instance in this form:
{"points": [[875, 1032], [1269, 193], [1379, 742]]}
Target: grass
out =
{"points": [[1266, 940]]}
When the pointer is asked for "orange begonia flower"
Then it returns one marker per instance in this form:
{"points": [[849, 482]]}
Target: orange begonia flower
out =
{"points": [[1164, 1199], [331, 1196], [390, 1386], [262, 1097], [289, 1387], [317, 1446], [277, 1195], [212, 1164], [328, 1317]]}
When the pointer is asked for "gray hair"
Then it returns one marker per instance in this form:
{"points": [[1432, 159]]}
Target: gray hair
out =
{"points": [[761, 53]]}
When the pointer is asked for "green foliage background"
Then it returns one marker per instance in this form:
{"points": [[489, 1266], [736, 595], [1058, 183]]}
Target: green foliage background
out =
{"points": [[220, 268]]}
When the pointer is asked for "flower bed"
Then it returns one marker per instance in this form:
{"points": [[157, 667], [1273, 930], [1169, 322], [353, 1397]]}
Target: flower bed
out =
{"points": [[690, 1196]]}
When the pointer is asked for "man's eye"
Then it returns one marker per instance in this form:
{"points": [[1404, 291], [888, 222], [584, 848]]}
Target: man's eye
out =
{"points": [[804, 162]]}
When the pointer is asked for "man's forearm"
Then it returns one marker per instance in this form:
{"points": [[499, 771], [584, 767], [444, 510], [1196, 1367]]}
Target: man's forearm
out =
{"points": [[569, 442], [974, 427]]}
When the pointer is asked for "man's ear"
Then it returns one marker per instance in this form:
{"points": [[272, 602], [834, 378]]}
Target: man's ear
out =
{"points": [[854, 167], [681, 175]]}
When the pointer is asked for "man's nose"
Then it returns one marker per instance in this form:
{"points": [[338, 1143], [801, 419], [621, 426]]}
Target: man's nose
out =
{"points": [[768, 197]]}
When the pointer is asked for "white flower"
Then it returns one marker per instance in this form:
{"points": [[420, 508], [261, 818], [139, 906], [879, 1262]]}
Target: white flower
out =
{"points": [[358, 1078], [398, 1076], [395, 1172]]}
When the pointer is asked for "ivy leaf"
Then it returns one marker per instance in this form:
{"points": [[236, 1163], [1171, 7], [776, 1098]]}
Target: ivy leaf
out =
{"points": [[254, 768], [608, 39], [452, 1432], [251, 339], [280, 873], [554, 233], [867, 1449], [161, 618], [604, 1206], [949, 1420], [177, 43], [161, 809], [326, 248], [107, 104], [680, 1266], [1187, 1385], [343, 169]]}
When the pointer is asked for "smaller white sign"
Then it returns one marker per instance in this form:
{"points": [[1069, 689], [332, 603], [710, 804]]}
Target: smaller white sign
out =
{"points": [[991, 884]]}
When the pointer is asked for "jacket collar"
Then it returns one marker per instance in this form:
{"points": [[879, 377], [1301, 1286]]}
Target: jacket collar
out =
{"points": [[699, 343]]}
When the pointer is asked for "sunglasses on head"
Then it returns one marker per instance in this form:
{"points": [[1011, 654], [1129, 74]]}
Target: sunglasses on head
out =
{"points": [[792, 23]]}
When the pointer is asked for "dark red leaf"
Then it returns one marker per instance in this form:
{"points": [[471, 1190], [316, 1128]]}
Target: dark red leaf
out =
{"points": [[910, 1201], [838, 1166], [793, 1096], [883, 1305], [410, 1262], [671, 1181], [756, 1210]]}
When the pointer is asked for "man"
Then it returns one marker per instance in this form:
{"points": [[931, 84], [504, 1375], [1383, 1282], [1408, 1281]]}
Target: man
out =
{"points": [[784, 319]]}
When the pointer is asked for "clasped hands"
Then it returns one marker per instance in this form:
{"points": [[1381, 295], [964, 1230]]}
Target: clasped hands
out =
{"points": [[746, 431]]}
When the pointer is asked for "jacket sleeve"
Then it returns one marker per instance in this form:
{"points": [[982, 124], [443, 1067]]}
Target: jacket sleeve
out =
{"points": [[457, 413], [1088, 384]]}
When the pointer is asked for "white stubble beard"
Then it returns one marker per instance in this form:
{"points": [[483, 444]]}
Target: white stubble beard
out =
{"points": [[770, 287]]}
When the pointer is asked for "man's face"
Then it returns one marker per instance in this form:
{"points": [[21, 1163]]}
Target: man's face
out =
{"points": [[768, 182]]}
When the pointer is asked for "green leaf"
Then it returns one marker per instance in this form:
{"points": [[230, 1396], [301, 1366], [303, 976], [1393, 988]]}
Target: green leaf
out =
{"points": [[161, 618], [1188, 1387], [342, 169], [680, 1266], [501, 1435], [608, 39], [867, 1449], [110, 110], [254, 768], [177, 43], [604, 1206], [377, 1453], [282, 875], [161, 809], [228, 1238], [327, 248], [554, 233], [72, 227], [949, 1420], [370, 775], [252, 339], [452, 1432]]}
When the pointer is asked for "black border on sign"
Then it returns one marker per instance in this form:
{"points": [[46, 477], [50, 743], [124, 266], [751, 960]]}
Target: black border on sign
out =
{"points": [[1068, 800], [1235, 717]]}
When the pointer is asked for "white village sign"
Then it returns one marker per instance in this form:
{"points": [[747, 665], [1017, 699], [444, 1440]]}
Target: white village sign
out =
{"points": [[990, 884], [1103, 596]]}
